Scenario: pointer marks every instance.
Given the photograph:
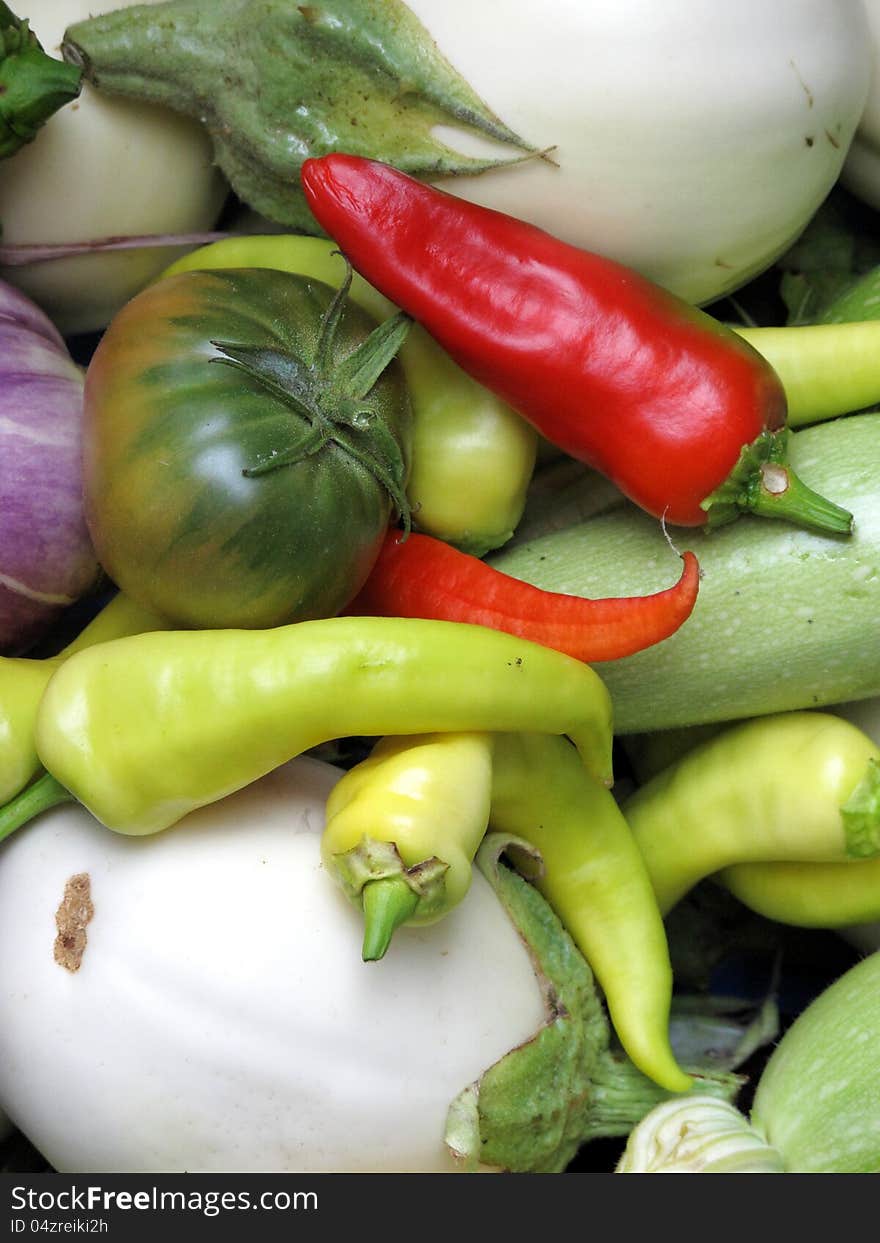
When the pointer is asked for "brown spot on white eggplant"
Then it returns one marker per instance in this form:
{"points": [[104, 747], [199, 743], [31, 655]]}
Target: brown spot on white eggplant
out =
{"points": [[71, 919]]}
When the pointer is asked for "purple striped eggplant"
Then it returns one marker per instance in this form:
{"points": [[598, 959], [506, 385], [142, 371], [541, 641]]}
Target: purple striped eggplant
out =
{"points": [[46, 557]]}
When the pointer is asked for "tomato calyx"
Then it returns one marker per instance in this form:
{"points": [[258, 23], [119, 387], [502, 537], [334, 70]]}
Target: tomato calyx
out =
{"points": [[329, 398]]}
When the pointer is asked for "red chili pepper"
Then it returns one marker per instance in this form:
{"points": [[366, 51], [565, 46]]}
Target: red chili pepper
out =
{"points": [[682, 414], [419, 576]]}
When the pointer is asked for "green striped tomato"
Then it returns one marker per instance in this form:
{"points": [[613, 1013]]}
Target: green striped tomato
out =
{"points": [[246, 443]]}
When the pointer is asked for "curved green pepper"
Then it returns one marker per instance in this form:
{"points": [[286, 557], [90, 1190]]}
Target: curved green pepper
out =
{"points": [[403, 828], [594, 878], [796, 787], [472, 456], [145, 729]]}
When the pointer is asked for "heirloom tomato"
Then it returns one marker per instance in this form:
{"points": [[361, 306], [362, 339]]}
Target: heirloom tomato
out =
{"points": [[247, 442]]}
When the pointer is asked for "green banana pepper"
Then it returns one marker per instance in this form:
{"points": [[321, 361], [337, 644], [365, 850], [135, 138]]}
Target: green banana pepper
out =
{"points": [[403, 827], [797, 787], [143, 730], [808, 895], [594, 878]]}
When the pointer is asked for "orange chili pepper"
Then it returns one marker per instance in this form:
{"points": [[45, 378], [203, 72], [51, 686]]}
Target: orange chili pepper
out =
{"points": [[419, 576]]}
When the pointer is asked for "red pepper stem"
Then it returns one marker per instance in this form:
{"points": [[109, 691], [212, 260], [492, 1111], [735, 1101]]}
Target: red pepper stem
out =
{"points": [[763, 483], [781, 494], [38, 797], [388, 903]]}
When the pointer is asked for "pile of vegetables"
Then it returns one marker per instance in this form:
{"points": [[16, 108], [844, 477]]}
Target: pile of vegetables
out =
{"points": [[298, 637]]}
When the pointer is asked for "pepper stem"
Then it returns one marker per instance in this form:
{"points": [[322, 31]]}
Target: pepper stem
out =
{"points": [[861, 815], [780, 494], [388, 903], [38, 797], [763, 483]]}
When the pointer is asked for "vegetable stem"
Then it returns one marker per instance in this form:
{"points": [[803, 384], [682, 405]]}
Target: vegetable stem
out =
{"points": [[32, 85], [388, 903], [780, 494], [763, 483], [38, 797]]}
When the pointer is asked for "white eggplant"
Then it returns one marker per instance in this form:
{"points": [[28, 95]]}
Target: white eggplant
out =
{"points": [[861, 171], [690, 140], [197, 1001], [100, 168], [221, 1017]]}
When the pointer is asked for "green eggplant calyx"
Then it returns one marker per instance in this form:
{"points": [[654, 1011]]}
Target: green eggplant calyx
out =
{"points": [[38, 797], [530, 1111], [373, 860], [387, 904], [331, 398], [763, 483], [342, 75], [861, 815], [32, 85]]}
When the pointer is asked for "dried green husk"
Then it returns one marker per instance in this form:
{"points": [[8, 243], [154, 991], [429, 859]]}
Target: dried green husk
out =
{"points": [[275, 82], [531, 1111]]}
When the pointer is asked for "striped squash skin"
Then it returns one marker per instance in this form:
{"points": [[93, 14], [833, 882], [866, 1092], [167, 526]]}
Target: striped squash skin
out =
{"points": [[786, 619]]}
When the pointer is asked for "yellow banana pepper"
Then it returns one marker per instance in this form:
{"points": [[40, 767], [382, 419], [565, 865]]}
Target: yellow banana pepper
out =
{"points": [[403, 827], [145, 729]]}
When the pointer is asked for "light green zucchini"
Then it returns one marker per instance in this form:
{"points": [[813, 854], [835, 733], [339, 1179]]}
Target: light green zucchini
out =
{"points": [[785, 618]]}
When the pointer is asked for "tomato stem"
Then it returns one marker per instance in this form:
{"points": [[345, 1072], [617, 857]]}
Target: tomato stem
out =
{"points": [[329, 397]]}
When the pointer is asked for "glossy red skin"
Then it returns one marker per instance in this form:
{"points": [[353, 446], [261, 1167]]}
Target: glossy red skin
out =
{"points": [[608, 366], [425, 577]]}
